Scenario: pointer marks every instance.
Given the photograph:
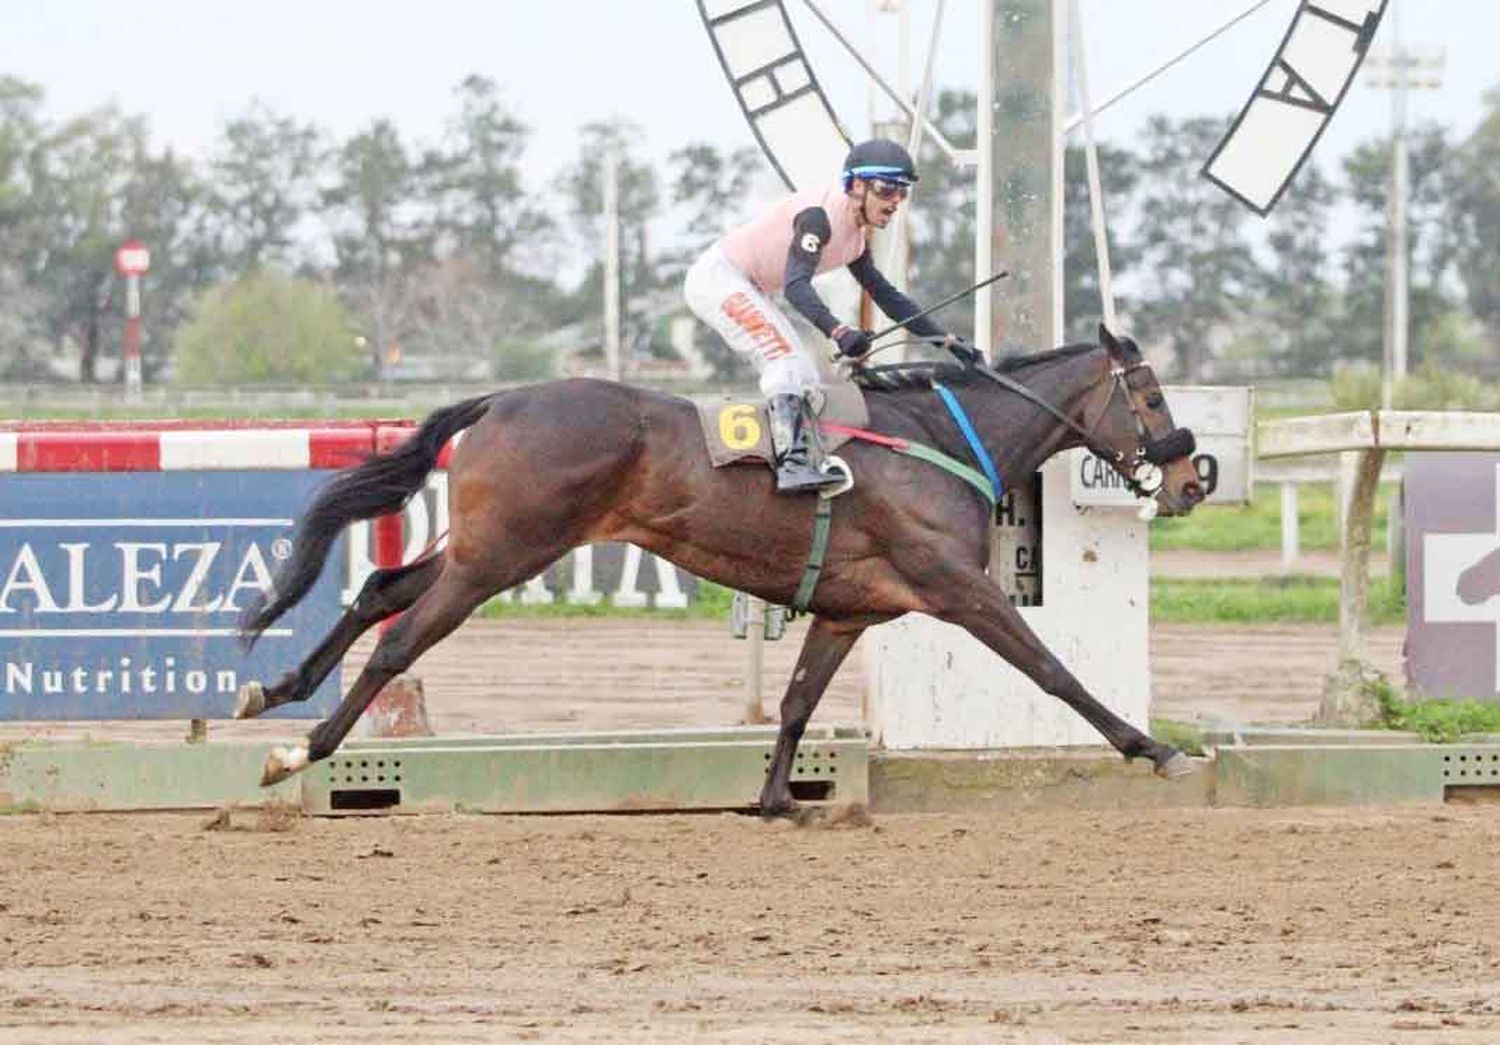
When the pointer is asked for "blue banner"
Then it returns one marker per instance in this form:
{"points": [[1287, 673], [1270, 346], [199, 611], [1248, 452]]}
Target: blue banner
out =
{"points": [[120, 593]]}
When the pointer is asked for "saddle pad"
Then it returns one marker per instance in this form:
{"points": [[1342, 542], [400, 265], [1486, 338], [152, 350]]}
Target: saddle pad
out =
{"points": [[736, 428]]}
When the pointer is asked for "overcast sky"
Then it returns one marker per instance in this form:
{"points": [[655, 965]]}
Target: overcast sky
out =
{"points": [[189, 64]]}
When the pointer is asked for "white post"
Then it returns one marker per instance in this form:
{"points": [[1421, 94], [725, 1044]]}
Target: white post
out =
{"points": [[582, 592], [1290, 533], [984, 201], [755, 643], [1091, 161], [612, 265], [1397, 262]]}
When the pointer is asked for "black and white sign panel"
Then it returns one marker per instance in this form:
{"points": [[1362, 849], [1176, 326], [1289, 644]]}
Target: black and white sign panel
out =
{"points": [[777, 90], [1295, 99], [1220, 419]]}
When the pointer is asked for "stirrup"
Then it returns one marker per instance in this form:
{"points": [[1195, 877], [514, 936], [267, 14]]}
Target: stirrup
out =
{"points": [[833, 464], [810, 479]]}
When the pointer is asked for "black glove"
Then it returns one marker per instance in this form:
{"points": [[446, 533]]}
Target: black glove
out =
{"points": [[966, 353], [853, 344]]}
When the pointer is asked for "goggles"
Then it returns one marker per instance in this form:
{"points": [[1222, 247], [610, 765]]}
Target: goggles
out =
{"points": [[888, 190]]}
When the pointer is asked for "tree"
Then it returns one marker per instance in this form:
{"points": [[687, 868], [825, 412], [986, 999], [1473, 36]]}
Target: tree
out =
{"points": [[639, 199], [80, 173], [710, 186], [20, 134], [264, 178], [1475, 214], [1431, 244], [1190, 234], [268, 327], [1118, 178], [382, 231], [1300, 309], [477, 182], [943, 213]]}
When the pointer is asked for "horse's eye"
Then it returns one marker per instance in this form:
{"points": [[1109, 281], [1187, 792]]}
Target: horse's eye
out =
{"points": [[1154, 401]]}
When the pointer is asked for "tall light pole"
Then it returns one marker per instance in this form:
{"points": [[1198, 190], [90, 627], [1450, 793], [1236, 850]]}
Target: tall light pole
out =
{"points": [[1400, 70]]}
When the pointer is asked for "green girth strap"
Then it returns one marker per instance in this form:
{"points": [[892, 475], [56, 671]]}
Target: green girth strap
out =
{"points": [[952, 466], [822, 523], [921, 452]]}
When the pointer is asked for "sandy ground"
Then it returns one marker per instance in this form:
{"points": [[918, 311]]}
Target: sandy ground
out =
{"points": [[1181, 926], [1164, 926]]}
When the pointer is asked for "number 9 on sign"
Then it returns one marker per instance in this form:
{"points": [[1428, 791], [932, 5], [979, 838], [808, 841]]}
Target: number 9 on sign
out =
{"points": [[738, 427]]}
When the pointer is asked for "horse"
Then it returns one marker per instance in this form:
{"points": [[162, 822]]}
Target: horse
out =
{"points": [[545, 468]]}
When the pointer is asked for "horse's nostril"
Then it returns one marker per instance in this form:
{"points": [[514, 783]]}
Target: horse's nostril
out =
{"points": [[1192, 493]]}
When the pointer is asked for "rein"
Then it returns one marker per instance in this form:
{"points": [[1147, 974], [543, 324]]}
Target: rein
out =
{"points": [[1144, 476]]}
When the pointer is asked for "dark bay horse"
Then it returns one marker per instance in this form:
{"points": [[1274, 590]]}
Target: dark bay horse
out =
{"points": [[546, 468]]}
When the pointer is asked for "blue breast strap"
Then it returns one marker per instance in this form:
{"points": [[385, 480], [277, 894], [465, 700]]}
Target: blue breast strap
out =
{"points": [[972, 438]]}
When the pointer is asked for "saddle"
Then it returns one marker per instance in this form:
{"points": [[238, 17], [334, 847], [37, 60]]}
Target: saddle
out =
{"points": [[736, 428]]}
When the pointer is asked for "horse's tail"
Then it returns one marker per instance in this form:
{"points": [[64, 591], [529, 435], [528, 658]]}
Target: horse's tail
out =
{"points": [[379, 486]]}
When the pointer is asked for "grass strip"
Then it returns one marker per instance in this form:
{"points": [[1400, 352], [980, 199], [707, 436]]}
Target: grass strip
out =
{"points": [[1265, 600]]}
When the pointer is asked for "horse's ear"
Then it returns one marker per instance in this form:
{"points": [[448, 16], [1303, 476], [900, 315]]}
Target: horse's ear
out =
{"points": [[1112, 346]]}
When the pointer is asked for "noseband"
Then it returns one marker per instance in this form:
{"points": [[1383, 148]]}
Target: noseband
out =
{"points": [[1140, 468]]}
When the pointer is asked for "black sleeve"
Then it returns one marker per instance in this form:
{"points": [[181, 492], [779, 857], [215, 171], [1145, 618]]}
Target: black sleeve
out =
{"points": [[890, 300], [810, 232]]}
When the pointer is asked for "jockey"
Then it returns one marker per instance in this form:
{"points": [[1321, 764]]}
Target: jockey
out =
{"points": [[730, 286]]}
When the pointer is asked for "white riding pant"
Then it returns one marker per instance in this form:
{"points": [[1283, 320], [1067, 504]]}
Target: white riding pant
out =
{"points": [[721, 296]]}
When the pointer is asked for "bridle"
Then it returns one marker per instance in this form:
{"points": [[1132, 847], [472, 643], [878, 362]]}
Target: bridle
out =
{"points": [[1140, 468]]}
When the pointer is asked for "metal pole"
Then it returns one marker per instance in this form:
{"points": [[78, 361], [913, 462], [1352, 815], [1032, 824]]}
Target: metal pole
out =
{"points": [[1396, 277], [897, 251], [894, 95], [984, 189], [1135, 85], [1091, 162], [612, 353]]}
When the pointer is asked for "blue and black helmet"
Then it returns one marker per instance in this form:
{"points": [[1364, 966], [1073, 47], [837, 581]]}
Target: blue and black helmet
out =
{"points": [[878, 158]]}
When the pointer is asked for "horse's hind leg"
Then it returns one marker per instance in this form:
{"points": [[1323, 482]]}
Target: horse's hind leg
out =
{"points": [[827, 644], [437, 612], [385, 592]]}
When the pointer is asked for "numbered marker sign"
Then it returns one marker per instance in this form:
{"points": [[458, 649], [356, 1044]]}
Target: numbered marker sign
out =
{"points": [[1220, 421]]}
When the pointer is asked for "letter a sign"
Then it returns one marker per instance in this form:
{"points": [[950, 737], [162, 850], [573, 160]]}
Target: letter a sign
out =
{"points": [[1304, 84]]}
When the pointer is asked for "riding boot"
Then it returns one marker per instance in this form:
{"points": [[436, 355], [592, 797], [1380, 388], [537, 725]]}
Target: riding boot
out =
{"points": [[795, 444]]}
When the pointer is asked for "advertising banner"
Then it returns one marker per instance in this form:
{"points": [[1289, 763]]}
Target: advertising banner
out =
{"points": [[120, 593]]}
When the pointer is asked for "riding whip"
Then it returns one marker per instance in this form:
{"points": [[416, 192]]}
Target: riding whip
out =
{"points": [[941, 304]]}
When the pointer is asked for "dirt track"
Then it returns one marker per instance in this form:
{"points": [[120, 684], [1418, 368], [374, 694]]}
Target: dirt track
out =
{"points": [[1185, 926]]}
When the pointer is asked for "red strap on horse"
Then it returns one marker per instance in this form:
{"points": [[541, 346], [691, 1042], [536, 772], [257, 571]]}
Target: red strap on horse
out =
{"points": [[868, 436]]}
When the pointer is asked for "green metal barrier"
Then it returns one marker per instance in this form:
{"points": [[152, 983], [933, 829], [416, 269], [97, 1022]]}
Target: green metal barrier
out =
{"points": [[553, 773]]}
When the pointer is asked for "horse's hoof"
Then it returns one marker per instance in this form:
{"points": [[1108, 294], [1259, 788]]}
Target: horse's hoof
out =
{"points": [[282, 763], [1175, 765], [250, 701], [780, 809]]}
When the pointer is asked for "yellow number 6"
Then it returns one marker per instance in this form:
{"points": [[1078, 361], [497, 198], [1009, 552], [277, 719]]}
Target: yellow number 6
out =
{"points": [[737, 426]]}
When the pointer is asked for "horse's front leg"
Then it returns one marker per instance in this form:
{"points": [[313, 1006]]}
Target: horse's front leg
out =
{"points": [[976, 603], [827, 644]]}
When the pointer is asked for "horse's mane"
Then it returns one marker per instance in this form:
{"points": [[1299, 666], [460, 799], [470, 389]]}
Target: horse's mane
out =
{"points": [[895, 377]]}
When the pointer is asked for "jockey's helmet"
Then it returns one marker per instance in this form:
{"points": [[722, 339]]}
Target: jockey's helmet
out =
{"points": [[878, 158]]}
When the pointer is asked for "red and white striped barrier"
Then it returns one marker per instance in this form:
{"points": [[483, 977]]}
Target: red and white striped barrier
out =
{"points": [[192, 447]]}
